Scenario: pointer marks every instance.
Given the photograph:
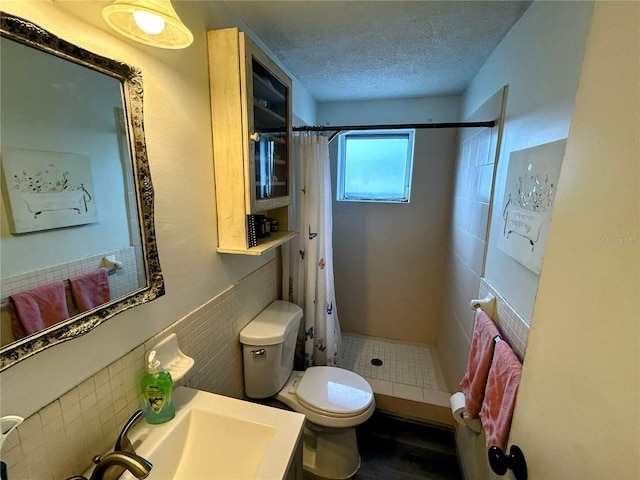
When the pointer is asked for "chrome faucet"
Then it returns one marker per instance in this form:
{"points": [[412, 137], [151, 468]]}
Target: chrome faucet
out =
{"points": [[113, 464], [123, 444], [118, 462], [124, 457]]}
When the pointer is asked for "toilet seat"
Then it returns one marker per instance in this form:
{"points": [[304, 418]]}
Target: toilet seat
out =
{"points": [[334, 392], [318, 416]]}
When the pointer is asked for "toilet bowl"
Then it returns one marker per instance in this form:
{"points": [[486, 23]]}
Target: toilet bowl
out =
{"points": [[333, 400]]}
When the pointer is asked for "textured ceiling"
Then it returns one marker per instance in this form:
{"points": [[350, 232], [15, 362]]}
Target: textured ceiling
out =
{"points": [[357, 50]]}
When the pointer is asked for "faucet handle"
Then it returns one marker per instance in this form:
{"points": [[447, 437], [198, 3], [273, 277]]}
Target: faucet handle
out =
{"points": [[123, 444], [113, 464]]}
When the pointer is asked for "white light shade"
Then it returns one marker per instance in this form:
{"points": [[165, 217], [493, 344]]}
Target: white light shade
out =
{"points": [[156, 23], [149, 22]]}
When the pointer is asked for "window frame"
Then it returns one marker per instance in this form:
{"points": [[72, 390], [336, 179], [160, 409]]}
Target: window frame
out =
{"points": [[380, 134]]}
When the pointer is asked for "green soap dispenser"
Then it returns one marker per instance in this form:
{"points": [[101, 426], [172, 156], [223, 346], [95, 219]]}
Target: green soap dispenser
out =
{"points": [[156, 388]]}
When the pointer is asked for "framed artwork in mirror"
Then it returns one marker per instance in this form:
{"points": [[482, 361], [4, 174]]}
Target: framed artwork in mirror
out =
{"points": [[48, 190]]}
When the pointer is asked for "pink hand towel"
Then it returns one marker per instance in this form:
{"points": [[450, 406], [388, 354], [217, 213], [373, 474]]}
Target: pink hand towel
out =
{"points": [[475, 379], [90, 289], [38, 308], [500, 396]]}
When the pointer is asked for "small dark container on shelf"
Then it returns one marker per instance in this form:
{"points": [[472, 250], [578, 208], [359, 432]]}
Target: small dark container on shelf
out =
{"points": [[262, 226]]}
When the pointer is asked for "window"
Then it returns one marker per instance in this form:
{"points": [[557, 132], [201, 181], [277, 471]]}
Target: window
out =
{"points": [[375, 165]]}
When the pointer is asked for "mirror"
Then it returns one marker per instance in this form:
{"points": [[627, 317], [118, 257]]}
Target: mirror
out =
{"points": [[76, 190]]}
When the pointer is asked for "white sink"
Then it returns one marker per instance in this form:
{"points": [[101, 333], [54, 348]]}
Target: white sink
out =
{"points": [[216, 437]]}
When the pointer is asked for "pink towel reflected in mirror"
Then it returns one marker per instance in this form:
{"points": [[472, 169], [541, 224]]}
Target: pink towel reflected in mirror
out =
{"points": [[90, 289], [36, 309]]}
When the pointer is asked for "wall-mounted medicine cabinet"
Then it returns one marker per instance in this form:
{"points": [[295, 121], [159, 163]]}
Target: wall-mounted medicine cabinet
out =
{"points": [[251, 112]]}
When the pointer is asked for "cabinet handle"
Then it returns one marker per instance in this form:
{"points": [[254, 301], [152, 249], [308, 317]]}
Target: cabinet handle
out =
{"points": [[255, 136]]}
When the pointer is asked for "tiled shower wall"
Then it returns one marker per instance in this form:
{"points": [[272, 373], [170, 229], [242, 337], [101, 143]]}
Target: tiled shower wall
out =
{"points": [[60, 440], [472, 194]]}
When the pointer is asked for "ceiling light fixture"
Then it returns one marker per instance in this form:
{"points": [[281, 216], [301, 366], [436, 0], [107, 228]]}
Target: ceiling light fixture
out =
{"points": [[152, 22]]}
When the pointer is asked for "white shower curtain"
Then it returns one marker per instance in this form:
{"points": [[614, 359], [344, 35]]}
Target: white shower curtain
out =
{"points": [[307, 260]]}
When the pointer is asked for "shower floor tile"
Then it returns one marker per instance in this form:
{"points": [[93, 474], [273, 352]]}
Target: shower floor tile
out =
{"points": [[409, 371]]}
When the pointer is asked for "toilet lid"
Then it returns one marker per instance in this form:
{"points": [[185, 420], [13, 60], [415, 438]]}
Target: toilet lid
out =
{"points": [[334, 391]]}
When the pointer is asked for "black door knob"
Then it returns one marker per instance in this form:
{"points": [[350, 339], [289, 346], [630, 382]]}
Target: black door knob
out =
{"points": [[500, 462]]}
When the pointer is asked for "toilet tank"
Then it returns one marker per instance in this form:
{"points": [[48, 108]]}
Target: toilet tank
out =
{"points": [[268, 348]]}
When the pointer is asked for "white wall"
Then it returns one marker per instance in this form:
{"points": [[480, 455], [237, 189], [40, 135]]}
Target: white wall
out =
{"points": [[56, 115], [178, 133], [389, 258], [540, 61], [403, 110], [578, 408]]}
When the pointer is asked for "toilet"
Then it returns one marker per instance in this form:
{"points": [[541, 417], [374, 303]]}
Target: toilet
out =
{"points": [[333, 400]]}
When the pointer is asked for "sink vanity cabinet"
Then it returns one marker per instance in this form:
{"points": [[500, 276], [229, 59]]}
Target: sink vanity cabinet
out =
{"points": [[213, 437], [251, 113]]}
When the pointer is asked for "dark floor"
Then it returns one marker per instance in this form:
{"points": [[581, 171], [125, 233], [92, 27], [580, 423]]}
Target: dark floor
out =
{"points": [[391, 448], [396, 449]]}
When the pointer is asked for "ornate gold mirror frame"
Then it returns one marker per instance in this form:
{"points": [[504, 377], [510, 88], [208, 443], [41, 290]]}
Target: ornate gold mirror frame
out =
{"points": [[29, 34]]}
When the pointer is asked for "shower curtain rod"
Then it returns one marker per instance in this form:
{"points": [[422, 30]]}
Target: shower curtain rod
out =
{"points": [[330, 128], [340, 128]]}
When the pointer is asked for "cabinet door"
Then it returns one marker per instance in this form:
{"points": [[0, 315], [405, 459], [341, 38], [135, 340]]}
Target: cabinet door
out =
{"points": [[249, 95], [269, 126]]}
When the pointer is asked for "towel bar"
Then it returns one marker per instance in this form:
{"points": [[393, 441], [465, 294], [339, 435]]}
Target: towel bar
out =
{"points": [[111, 264], [487, 305]]}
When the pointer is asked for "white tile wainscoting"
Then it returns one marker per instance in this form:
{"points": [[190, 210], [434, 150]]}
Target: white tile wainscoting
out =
{"points": [[511, 325], [60, 440], [123, 281]]}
